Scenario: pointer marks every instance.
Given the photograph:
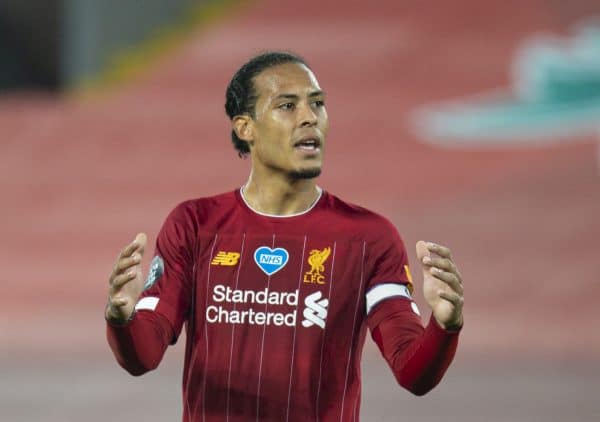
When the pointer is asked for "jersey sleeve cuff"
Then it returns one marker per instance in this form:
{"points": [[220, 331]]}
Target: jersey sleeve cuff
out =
{"points": [[437, 329]]}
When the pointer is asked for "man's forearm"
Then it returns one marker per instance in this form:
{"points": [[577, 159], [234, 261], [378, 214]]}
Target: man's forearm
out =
{"points": [[140, 344], [418, 357]]}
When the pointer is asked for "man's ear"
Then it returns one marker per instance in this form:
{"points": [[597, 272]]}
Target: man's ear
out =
{"points": [[243, 127]]}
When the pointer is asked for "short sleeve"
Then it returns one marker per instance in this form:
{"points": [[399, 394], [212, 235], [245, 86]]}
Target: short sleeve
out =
{"points": [[168, 287], [389, 275]]}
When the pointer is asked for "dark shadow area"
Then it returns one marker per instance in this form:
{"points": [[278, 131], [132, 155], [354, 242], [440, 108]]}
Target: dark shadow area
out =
{"points": [[29, 45]]}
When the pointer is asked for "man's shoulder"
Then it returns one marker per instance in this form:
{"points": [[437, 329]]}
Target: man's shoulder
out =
{"points": [[218, 200], [358, 215], [198, 208]]}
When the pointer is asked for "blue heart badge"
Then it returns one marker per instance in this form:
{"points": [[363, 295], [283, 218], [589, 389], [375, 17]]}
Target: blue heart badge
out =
{"points": [[270, 260]]}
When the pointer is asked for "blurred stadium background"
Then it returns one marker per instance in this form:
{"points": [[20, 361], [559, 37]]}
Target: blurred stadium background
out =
{"points": [[111, 112]]}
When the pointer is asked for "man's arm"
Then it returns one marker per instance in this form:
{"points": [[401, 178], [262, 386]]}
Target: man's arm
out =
{"points": [[145, 316], [137, 339], [139, 344], [420, 356]]}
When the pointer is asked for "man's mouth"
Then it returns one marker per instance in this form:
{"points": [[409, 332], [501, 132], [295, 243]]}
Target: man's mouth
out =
{"points": [[308, 144]]}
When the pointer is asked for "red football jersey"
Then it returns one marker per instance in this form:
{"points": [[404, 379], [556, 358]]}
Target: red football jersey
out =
{"points": [[276, 308]]}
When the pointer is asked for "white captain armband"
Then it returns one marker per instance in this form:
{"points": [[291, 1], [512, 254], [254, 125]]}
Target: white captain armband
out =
{"points": [[385, 291], [148, 303]]}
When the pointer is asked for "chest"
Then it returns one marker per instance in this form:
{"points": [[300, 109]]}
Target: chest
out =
{"points": [[286, 280]]}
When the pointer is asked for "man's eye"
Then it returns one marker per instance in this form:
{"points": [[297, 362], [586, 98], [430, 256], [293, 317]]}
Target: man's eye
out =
{"points": [[287, 106], [319, 103]]}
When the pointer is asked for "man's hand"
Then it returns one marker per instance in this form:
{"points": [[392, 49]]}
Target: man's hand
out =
{"points": [[442, 284], [125, 283]]}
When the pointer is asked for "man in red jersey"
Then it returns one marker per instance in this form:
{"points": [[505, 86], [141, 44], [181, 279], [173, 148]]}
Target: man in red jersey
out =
{"points": [[278, 281]]}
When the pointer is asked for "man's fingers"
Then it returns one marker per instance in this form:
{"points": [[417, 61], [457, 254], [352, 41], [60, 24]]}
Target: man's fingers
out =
{"points": [[122, 279], [139, 243], [118, 302], [450, 279], [125, 263], [452, 297], [127, 268], [114, 309], [443, 263], [422, 250], [131, 254], [442, 251], [129, 249], [141, 240]]}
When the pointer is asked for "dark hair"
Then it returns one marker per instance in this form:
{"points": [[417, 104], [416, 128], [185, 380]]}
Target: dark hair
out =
{"points": [[241, 96]]}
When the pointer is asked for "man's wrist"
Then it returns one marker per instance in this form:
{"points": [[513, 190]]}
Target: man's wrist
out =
{"points": [[113, 320], [452, 326]]}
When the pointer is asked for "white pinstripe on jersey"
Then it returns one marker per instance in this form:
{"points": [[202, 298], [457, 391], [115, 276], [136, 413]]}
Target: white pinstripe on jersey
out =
{"points": [[237, 278], [324, 331], [212, 250], [287, 413], [358, 294], [262, 346]]}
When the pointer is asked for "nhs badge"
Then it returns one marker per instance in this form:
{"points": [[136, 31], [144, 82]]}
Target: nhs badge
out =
{"points": [[270, 260]]}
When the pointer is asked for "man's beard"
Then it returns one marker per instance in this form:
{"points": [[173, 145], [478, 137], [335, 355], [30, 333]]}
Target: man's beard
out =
{"points": [[305, 173]]}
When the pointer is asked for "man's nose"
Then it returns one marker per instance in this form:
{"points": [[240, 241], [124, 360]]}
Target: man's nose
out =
{"points": [[307, 115]]}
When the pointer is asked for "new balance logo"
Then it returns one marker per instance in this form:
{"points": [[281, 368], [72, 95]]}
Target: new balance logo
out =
{"points": [[228, 259], [315, 312]]}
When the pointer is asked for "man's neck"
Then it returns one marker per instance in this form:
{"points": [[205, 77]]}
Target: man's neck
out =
{"points": [[280, 196]]}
